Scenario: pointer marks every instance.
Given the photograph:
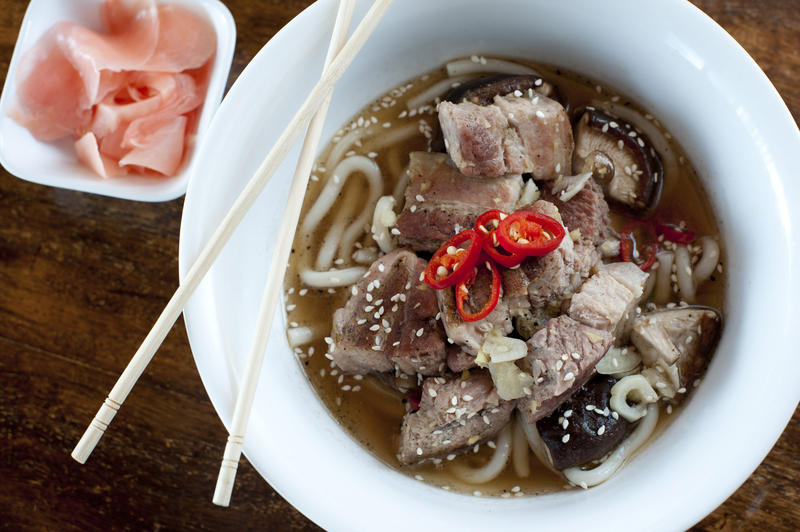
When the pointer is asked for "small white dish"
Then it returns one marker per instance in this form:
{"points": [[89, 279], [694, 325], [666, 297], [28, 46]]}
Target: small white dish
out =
{"points": [[681, 67], [55, 163]]}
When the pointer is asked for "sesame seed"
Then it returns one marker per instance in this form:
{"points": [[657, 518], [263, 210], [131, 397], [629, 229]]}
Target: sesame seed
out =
{"points": [[419, 451], [565, 439], [540, 114], [601, 430], [569, 376]]}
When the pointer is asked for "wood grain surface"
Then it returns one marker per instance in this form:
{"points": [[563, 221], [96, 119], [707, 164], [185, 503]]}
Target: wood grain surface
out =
{"points": [[83, 278]]}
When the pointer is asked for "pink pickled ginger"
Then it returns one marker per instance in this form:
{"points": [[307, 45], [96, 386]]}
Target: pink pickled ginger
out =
{"points": [[128, 95]]}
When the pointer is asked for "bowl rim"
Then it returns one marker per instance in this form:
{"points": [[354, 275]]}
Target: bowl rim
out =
{"points": [[292, 489]]}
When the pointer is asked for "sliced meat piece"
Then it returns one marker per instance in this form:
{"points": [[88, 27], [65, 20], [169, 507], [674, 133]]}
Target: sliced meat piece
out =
{"points": [[681, 339], [470, 335], [607, 299], [513, 135], [453, 413], [515, 290], [458, 360], [481, 91], [587, 423], [587, 211], [440, 200], [562, 357], [390, 321], [545, 144], [553, 277]]}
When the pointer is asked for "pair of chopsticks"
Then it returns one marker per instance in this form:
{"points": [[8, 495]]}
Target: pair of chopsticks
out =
{"points": [[339, 57]]}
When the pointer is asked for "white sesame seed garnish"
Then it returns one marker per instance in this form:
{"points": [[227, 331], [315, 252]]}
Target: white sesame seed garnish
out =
{"points": [[601, 430], [565, 439], [569, 376], [540, 114]]}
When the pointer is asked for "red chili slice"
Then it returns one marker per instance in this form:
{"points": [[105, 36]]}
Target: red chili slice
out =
{"points": [[487, 225], [457, 263], [638, 243], [530, 234], [674, 233], [463, 288]]}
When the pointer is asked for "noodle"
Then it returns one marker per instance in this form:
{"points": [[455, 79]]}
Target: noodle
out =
{"points": [[493, 467], [299, 336], [536, 443], [462, 67], [382, 220], [636, 387], [330, 243], [332, 189], [662, 290], [520, 458], [395, 136], [601, 473], [708, 262], [365, 255], [683, 266], [435, 91], [332, 278], [342, 147]]}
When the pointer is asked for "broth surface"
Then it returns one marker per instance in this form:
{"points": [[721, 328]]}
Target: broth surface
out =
{"points": [[370, 411]]}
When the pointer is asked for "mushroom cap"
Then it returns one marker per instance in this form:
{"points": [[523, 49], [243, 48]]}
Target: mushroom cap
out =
{"points": [[592, 427], [684, 336], [624, 159]]}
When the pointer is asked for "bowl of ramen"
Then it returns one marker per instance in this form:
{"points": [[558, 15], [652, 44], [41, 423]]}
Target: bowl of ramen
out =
{"points": [[523, 291]]}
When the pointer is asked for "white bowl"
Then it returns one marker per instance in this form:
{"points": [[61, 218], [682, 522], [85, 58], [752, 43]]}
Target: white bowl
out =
{"points": [[55, 163], [679, 65]]}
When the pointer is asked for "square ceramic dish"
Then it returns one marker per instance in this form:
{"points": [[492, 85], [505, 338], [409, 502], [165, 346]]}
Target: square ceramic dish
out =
{"points": [[55, 163], [679, 65]]}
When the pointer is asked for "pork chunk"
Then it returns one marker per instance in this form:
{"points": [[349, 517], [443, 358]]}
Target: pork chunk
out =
{"points": [[470, 335], [440, 200], [607, 299], [561, 357], [453, 413], [513, 135], [587, 211], [550, 278], [379, 327]]}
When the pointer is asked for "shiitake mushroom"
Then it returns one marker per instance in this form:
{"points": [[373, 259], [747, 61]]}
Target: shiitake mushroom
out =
{"points": [[677, 344], [584, 428], [621, 158]]}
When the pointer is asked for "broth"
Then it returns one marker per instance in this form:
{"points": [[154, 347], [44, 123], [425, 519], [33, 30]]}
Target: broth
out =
{"points": [[370, 411]]}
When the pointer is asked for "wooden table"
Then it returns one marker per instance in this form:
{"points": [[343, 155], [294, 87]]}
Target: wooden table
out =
{"points": [[83, 278]]}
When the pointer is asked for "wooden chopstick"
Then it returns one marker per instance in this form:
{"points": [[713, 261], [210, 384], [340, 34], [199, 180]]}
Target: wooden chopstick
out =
{"points": [[272, 287], [211, 250]]}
